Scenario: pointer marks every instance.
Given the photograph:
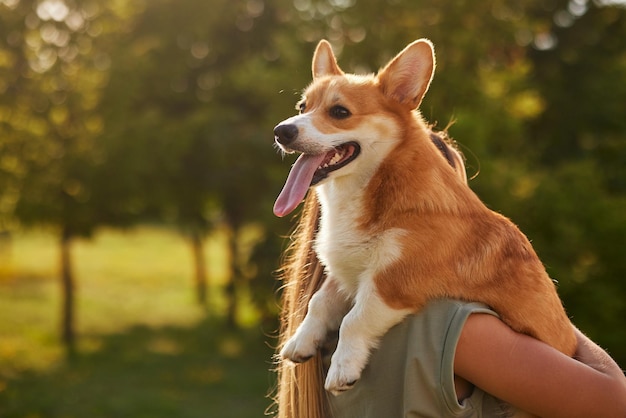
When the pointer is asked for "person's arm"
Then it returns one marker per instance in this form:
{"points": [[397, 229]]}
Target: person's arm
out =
{"points": [[537, 378]]}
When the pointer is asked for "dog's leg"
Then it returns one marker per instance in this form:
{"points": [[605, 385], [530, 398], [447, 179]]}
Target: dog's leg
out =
{"points": [[360, 332], [327, 307]]}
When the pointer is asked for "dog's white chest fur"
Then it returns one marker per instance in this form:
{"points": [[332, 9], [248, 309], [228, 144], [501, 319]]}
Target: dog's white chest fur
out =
{"points": [[350, 254]]}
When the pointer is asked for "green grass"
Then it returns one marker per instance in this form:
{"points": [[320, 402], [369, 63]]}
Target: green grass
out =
{"points": [[145, 348]]}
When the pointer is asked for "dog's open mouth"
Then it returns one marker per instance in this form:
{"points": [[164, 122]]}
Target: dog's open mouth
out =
{"points": [[336, 159], [309, 170]]}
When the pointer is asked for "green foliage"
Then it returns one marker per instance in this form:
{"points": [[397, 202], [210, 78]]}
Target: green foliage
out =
{"points": [[54, 74]]}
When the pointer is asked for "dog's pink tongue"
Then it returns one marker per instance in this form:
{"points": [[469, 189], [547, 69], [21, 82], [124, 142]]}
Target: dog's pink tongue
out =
{"points": [[297, 183]]}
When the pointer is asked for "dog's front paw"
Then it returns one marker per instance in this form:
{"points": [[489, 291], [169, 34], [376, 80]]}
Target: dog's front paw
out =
{"points": [[298, 351], [341, 377], [346, 365], [304, 343]]}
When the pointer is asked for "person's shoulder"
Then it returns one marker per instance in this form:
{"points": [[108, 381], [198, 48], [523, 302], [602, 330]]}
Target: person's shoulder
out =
{"points": [[440, 321], [455, 307]]}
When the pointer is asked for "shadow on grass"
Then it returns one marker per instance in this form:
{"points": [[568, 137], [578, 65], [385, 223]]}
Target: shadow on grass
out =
{"points": [[174, 372]]}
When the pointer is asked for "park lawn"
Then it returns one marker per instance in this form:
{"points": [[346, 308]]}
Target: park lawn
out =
{"points": [[146, 349]]}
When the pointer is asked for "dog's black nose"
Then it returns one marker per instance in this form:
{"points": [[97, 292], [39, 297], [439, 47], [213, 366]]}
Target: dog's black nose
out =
{"points": [[285, 134]]}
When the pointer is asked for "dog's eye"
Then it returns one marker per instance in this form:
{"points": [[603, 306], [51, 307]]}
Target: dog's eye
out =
{"points": [[339, 112], [301, 106]]}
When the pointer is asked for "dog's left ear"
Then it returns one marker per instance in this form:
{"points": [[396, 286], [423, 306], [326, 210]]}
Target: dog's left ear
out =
{"points": [[324, 61], [406, 78]]}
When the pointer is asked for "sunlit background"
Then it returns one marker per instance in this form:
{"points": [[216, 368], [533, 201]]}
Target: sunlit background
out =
{"points": [[137, 176]]}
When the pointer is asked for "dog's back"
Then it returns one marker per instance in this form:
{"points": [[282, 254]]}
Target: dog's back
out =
{"points": [[454, 246]]}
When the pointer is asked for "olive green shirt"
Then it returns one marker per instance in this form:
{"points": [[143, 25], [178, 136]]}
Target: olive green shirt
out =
{"points": [[411, 374]]}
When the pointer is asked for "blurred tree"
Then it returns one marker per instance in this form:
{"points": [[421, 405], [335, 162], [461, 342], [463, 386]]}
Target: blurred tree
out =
{"points": [[203, 111], [53, 72], [577, 204]]}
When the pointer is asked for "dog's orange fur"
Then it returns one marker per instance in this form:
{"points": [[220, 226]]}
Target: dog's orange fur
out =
{"points": [[398, 224], [455, 246]]}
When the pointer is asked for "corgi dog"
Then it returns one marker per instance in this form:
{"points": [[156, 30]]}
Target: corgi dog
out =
{"points": [[398, 225]]}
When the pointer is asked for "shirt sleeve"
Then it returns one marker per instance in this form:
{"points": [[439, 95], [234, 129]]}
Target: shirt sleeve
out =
{"points": [[458, 317]]}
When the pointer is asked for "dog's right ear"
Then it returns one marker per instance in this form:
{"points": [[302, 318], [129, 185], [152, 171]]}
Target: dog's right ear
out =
{"points": [[324, 61]]}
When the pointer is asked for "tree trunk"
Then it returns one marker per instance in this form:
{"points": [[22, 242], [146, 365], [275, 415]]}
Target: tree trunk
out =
{"points": [[6, 267], [231, 286], [67, 294], [200, 276]]}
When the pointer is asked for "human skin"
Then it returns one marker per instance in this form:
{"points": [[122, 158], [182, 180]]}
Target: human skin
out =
{"points": [[534, 376]]}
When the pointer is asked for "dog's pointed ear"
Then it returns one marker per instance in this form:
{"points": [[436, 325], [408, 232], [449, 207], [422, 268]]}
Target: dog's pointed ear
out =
{"points": [[324, 61], [406, 78]]}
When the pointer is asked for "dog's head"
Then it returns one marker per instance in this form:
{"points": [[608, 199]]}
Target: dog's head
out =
{"points": [[349, 123]]}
